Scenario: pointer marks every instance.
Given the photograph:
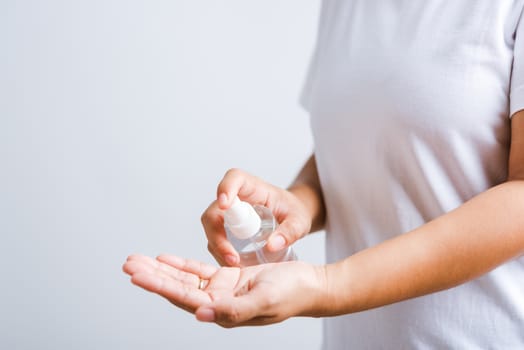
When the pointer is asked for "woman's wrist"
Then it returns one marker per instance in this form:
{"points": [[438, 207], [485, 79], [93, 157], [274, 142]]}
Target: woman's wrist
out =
{"points": [[314, 286], [306, 187], [313, 203]]}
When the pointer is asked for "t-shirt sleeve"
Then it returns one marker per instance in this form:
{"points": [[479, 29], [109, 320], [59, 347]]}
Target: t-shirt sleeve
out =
{"points": [[516, 96], [308, 87], [306, 94]]}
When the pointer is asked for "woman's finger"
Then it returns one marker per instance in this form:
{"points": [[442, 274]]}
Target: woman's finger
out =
{"points": [[218, 244], [182, 295], [145, 264], [247, 187], [247, 309], [198, 268], [289, 231], [133, 266]]}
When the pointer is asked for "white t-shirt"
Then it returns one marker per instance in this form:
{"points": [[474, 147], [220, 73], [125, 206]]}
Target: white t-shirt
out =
{"points": [[410, 105]]}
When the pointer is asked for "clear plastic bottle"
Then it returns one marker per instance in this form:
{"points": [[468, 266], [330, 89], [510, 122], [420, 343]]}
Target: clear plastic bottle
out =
{"points": [[248, 228]]}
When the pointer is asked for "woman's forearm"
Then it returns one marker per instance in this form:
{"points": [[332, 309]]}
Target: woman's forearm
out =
{"points": [[306, 187], [461, 245]]}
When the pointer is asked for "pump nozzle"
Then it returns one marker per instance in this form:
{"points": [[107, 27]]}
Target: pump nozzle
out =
{"points": [[242, 219]]}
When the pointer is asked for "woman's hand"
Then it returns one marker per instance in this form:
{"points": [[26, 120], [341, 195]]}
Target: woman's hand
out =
{"points": [[232, 296], [293, 217]]}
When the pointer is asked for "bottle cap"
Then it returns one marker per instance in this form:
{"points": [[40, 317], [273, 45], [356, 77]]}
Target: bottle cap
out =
{"points": [[242, 219]]}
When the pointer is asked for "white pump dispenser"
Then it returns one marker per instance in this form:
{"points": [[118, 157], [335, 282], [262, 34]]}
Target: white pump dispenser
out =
{"points": [[242, 219], [248, 228]]}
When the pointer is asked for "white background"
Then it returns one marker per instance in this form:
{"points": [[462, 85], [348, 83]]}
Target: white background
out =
{"points": [[117, 120]]}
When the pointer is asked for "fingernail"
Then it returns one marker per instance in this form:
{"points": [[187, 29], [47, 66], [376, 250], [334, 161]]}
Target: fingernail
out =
{"points": [[205, 315], [278, 242], [222, 199], [231, 260]]}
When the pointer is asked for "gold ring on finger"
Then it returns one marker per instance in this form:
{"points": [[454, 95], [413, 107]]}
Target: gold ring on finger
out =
{"points": [[201, 284]]}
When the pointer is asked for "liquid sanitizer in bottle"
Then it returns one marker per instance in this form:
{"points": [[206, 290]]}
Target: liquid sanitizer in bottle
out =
{"points": [[248, 228]]}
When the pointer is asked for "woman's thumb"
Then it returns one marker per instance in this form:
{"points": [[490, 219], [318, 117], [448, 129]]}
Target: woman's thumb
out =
{"points": [[286, 234]]}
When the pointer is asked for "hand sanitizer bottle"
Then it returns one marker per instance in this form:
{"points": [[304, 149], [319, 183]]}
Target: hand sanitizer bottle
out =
{"points": [[248, 228]]}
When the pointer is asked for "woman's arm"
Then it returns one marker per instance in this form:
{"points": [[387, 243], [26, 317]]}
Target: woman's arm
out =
{"points": [[471, 240]]}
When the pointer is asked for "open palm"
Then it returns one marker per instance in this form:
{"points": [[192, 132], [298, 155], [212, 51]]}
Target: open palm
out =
{"points": [[179, 279]]}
